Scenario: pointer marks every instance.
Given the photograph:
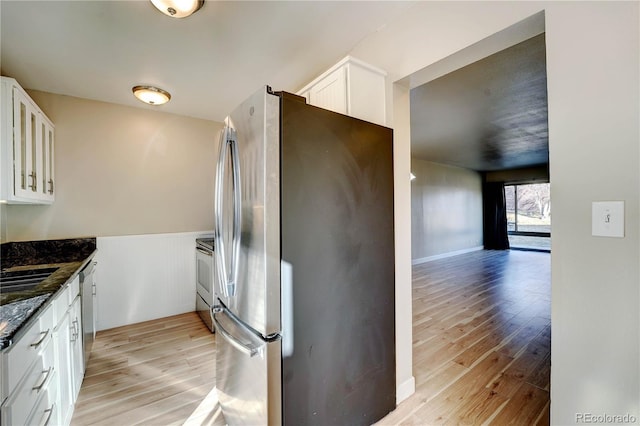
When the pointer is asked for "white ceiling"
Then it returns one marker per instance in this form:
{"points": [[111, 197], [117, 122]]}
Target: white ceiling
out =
{"points": [[209, 62]]}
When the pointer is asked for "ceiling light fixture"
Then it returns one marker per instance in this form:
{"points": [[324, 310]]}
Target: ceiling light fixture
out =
{"points": [[178, 8], [151, 95]]}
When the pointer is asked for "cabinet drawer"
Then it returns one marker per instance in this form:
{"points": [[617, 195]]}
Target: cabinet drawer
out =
{"points": [[36, 385], [74, 287], [29, 347], [66, 297], [46, 319], [61, 304], [46, 411]]}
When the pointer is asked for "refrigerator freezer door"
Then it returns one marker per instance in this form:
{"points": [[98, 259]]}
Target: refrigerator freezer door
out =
{"points": [[248, 214], [248, 373], [337, 237]]}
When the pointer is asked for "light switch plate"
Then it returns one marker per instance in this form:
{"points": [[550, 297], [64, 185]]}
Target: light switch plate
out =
{"points": [[607, 219]]}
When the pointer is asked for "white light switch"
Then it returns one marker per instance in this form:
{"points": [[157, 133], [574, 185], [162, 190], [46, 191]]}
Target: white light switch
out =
{"points": [[607, 219]]}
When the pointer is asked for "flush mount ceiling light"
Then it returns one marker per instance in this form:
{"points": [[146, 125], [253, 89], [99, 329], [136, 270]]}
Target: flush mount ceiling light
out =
{"points": [[151, 95], [178, 8]]}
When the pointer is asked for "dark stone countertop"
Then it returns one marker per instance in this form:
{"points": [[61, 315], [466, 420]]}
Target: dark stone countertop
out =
{"points": [[19, 308]]}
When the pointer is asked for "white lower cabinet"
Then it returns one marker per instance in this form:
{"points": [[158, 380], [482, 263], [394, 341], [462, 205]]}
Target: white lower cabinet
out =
{"points": [[77, 348], [29, 375], [43, 370], [45, 412], [67, 336], [62, 337], [41, 373]]}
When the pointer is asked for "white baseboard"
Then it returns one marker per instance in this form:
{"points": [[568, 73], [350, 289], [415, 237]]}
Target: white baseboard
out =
{"points": [[445, 255], [405, 389]]}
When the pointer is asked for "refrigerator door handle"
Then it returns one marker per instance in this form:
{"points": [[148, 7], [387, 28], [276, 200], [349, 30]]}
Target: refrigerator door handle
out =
{"points": [[219, 253], [237, 212], [249, 350], [228, 145]]}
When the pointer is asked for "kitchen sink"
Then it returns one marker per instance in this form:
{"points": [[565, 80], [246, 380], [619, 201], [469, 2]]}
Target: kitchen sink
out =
{"points": [[24, 280]]}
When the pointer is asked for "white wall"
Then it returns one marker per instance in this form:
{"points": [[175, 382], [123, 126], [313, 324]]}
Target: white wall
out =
{"points": [[446, 210], [145, 277], [594, 121]]}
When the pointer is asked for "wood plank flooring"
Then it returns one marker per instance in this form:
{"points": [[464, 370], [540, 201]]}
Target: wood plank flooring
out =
{"points": [[159, 372], [481, 352], [481, 341]]}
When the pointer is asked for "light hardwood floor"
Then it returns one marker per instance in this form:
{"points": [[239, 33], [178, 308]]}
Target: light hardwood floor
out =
{"points": [[481, 352], [158, 372], [481, 341]]}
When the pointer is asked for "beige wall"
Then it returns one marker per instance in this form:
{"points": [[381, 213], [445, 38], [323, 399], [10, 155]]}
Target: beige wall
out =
{"points": [[121, 171], [594, 122], [400, 121], [3, 223], [593, 52], [446, 209]]}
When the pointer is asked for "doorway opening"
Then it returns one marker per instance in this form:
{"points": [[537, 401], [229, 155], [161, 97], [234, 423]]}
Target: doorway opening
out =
{"points": [[479, 124]]}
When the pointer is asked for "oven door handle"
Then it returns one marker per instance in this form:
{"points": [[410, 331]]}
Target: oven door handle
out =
{"points": [[205, 252]]}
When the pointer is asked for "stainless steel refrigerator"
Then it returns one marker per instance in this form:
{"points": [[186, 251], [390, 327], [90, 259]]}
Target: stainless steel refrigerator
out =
{"points": [[304, 295]]}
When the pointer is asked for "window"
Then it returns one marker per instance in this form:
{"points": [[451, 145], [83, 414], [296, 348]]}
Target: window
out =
{"points": [[529, 215]]}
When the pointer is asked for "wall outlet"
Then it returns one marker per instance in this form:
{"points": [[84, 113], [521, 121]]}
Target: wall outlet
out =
{"points": [[607, 219]]}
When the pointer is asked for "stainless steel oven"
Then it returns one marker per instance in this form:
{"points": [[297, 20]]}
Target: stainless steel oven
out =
{"points": [[204, 279]]}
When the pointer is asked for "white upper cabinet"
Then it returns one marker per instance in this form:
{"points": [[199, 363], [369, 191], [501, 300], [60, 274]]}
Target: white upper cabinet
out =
{"points": [[26, 148], [331, 92], [350, 87], [46, 144]]}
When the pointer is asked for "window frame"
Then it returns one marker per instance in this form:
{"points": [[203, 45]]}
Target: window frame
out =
{"points": [[515, 209]]}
